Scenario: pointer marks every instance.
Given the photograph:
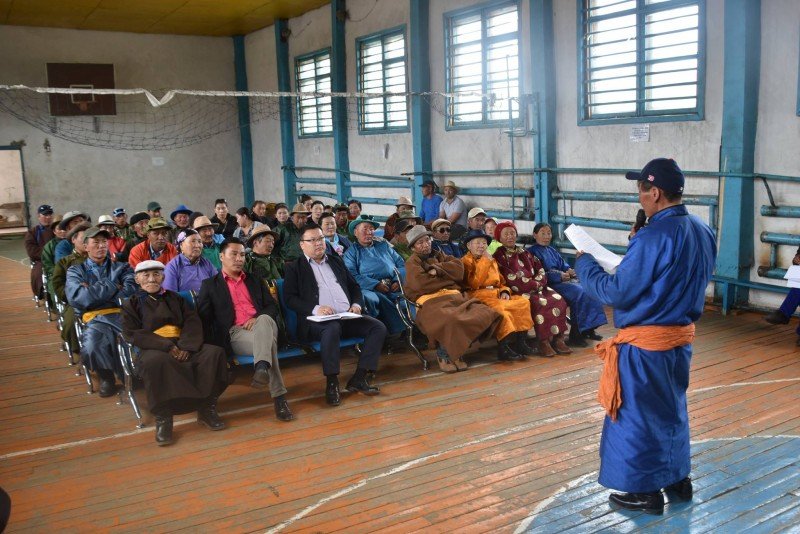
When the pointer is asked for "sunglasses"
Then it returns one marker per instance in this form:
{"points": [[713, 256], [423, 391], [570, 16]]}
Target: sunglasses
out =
{"points": [[443, 230]]}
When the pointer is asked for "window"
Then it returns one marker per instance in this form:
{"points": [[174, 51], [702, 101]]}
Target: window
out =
{"points": [[641, 60], [381, 68], [482, 58], [313, 75]]}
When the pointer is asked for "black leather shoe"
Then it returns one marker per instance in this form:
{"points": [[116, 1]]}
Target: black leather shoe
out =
{"points": [[776, 317], [520, 345], [208, 416], [261, 376], [506, 354], [163, 430], [360, 385], [649, 503], [332, 395], [107, 388], [577, 340], [682, 489], [282, 411], [591, 334]]}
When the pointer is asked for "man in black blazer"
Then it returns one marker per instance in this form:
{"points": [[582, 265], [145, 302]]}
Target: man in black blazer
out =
{"points": [[318, 283], [238, 315]]}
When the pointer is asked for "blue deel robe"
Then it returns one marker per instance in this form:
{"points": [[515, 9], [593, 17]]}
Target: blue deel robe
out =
{"points": [[584, 310], [107, 283], [370, 265], [447, 247], [661, 281]]}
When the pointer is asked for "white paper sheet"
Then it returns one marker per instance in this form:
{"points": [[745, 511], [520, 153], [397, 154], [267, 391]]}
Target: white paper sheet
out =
{"points": [[586, 243], [323, 318], [792, 276]]}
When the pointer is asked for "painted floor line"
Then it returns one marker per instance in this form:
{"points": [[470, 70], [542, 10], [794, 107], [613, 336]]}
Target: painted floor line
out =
{"points": [[31, 345], [740, 384], [411, 463]]}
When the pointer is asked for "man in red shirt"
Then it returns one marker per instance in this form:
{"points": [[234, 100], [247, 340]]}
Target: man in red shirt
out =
{"points": [[157, 246], [239, 315]]}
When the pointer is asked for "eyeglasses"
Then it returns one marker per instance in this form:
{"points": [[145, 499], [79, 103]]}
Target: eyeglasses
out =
{"points": [[443, 230], [316, 240]]}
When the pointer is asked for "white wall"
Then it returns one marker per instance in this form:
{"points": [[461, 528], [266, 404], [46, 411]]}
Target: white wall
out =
{"points": [[778, 137], [73, 176]]}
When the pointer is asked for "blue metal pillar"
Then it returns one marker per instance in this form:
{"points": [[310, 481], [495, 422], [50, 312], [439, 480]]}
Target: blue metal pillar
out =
{"points": [[544, 93], [420, 83], [240, 65], [739, 116], [339, 105], [285, 85]]}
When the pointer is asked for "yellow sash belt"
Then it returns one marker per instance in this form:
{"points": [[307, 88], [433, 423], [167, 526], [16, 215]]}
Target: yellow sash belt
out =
{"points": [[425, 298], [168, 330], [89, 315]]}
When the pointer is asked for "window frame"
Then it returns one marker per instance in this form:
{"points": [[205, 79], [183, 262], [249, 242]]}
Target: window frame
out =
{"points": [[484, 122], [640, 116], [390, 32], [297, 60]]}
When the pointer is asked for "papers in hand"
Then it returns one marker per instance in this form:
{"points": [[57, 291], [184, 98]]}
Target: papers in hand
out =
{"points": [[586, 243], [792, 276], [323, 318]]}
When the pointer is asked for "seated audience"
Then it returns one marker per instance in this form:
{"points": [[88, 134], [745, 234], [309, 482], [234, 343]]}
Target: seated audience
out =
{"points": [[180, 372], [154, 209], [405, 222], [342, 214], [353, 208], [116, 245], [440, 230], [187, 270], [476, 220], [586, 313], [403, 204], [319, 284], [372, 261], [138, 232], [334, 242], [789, 305], [483, 281], [94, 288], [239, 314], [49, 251], [210, 240], [68, 332], [180, 218], [260, 261], [246, 225], [317, 208], [306, 201], [488, 229], [430, 202], [447, 317], [289, 232], [453, 209], [157, 247], [281, 214], [526, 276], [259, 211], [70, 220], [35, 240], [224, 222], [123, 229]]}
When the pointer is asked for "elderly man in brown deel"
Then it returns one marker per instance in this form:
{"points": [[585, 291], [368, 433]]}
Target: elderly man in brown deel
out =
{"points": [[445, 315]]}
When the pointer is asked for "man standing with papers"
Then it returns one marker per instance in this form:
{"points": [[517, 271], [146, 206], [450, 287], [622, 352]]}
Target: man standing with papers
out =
{"points": [[319, 284], [657, 292]]}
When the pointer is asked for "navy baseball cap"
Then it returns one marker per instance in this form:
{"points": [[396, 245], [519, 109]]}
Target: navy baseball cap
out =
{"points": [[118, 211], [45, 209], [663, 173]]}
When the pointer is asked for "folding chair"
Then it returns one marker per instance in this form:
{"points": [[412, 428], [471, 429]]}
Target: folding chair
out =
{"points": [[407, 310], [80, 326], [47, 296], [127, 357]]}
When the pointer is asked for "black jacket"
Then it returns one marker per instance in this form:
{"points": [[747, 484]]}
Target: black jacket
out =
{"points": [[215, 306], [301, 292]]}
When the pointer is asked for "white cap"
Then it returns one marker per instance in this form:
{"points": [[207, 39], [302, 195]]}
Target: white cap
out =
{"points": [[149, 265], [105, 219], [474, 212]]}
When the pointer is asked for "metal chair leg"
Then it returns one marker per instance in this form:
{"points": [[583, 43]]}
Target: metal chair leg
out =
{"points": [[88, 376]]}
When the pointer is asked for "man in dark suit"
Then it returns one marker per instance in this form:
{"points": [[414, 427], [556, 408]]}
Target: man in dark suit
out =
{"points": [[318, 283], [239, 315]]}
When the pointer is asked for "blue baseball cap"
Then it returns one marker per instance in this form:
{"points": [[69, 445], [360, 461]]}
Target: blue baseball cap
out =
{"points": [[663, 173], [118, 211], [45, 209]]}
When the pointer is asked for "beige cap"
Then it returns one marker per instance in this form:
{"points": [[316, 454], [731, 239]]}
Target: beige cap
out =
{"points": [[404, 201], [450, 183], [438, 222], [201, 222], [474, 212], [299, 208]]}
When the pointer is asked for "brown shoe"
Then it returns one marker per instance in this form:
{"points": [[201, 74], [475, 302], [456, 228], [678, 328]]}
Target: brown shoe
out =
{"points": [[461, 364], [560, 346], [445, 363], [545, 349], [776, 317]]}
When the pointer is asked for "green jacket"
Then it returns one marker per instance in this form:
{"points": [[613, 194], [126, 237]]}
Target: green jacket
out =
{"points": [[212, 254], [266, 267], [289, 241], [60, 273]]}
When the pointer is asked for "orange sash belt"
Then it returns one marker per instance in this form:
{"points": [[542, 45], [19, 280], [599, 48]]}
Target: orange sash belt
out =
{"points": [[654, 338], [89, 315], [425, 298], [168, 330]]}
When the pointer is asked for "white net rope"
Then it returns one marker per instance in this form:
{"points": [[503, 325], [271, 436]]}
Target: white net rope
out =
{"points": [[170, 119]]}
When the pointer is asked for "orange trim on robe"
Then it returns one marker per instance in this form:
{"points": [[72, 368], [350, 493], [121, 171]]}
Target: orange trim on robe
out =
{"points": [[483, 281]]}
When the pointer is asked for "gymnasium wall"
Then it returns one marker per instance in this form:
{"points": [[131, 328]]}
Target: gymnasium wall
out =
{"points": [[73, 176]]}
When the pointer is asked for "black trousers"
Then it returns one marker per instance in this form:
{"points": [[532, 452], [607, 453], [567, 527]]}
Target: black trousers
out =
{"points": [[329, 333]]}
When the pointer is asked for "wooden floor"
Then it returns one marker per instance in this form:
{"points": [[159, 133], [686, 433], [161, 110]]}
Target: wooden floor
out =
{"points": [[498, 448]]}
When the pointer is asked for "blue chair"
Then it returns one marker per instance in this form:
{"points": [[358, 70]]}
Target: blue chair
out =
{"points": [[290, 318]]}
